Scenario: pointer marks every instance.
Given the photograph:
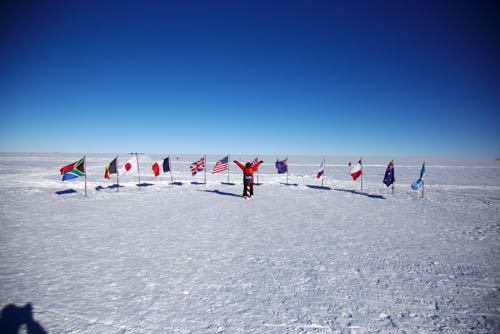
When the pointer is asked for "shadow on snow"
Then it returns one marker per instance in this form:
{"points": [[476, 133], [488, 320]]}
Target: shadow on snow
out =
{"points": [[289, 184], [218, 192], [361, 193], [65, 192], [228, 183], [176, 183], [113, 186], [144, 184], [14, 317], [312, 186], [197, 183]]}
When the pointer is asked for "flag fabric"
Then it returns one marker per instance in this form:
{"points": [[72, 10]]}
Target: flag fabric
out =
{"points": [[355, 171], [197, 166], [255, 162], [156, 168], [321, 170], [420, 181], [389, 174], [74, 170], [110, 169], [221, 165], [129, 166], [282, 166], [166, 165]]}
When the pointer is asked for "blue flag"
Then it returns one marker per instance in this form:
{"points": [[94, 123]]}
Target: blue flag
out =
{"points": [[389, 174], [420, 181], [282, 166]]}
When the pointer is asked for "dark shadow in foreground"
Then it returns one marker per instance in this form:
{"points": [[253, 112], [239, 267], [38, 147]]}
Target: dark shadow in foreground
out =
{"points": [[361, 193], [228, 183], [144, 184], [113, 186], [312, 186], [176, 183], [14, 317], [289, 184], [218, 192], [65, 192], [198, 183]]}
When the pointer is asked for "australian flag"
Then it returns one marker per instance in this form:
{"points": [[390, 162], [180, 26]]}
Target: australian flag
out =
{"points": [[282, 166], [389, 174]]}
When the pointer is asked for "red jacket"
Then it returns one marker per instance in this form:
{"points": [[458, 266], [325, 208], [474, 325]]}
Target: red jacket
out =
{"points": [[248, 170]]}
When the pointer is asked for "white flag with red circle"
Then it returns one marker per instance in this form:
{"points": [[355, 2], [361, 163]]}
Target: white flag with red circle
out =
{"points": [[129, 166]]}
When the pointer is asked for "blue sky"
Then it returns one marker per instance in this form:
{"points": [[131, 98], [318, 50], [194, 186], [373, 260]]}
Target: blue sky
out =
{"points": [[393, 78]]}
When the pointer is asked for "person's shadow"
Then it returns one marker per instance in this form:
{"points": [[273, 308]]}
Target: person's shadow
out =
{"points": [[14, 317]]}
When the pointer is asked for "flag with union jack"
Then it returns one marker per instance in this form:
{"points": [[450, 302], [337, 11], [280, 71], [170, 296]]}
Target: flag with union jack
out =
{"points": [[197, 166], [221, 165]]}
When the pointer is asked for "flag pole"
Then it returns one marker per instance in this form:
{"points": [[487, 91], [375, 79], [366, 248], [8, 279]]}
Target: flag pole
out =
{"points": [[117, 172], [393, 176], [361, 163], [205, 169], [170, 167], [287, 170], [85, 167], [228, 164], [423, 184], [323, 176], [258, 172], [138, 169]]}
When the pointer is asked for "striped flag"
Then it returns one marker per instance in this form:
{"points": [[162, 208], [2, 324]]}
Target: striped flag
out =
{"points": [[197, 166], [321, 170], [221, 165], [255, 161]]}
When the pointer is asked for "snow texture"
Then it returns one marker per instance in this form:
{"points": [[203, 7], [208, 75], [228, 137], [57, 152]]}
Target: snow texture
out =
{"points": [[297, 258]]}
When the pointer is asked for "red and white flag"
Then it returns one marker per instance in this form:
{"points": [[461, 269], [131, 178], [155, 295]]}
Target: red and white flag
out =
{"points": [[255, 162], [355, 171], [197, 166], [129, 166], [221, 165]]}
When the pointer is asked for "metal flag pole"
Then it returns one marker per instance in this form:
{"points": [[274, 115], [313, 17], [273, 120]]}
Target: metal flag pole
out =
{"points": [[286, 170], [361, 163], [205, 163], [423, 184], [392, 188], [138, 169], [170, 167], [323, 176], [85, 168], [228, 164], [117, 172]]}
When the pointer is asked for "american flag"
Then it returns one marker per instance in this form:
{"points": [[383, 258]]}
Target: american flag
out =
{"points": [[255, 161], [221, 165], [197, 166]]}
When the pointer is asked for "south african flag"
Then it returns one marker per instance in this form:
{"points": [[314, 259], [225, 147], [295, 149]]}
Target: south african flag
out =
{"points": [[73, 170]]}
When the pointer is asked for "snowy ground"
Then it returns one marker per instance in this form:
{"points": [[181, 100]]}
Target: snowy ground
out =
{"points": [[194, 258]]}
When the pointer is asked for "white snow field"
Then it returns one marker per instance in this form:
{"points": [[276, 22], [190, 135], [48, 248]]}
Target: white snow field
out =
{"points": [[195, 258]]}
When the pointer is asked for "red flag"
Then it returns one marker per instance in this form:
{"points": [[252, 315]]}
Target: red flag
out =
{"points": [[156, 168]]}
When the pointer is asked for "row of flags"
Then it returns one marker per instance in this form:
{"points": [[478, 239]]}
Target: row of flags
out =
{"points": [[77, 169]]}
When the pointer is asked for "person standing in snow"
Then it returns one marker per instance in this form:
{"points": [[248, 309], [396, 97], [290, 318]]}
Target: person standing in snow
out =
{"points": [[248, 170]]}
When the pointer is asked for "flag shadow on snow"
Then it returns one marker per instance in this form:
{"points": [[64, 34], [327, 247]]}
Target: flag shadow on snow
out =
{"points": [[176, 183], [228, 183], [65, 192], [361, 193], [113, 186], [313, 186], [218, 192], [289, 184], [197, 183], [13, 317], [144, 184]]}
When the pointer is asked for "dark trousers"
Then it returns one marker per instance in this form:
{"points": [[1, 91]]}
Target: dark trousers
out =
{"points": [[247, 189]]}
